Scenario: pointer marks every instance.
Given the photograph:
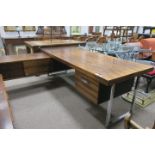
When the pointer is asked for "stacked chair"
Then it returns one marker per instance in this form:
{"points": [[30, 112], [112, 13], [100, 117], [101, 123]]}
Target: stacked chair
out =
{"points": [[95, 44]]}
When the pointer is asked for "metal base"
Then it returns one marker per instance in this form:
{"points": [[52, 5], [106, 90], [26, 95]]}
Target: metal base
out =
{"points": [[58, 73], [109, 121], [116, 120]]}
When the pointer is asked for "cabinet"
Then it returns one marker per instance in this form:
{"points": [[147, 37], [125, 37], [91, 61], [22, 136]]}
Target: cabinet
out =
{"points": [[88, 85], [12, 67], [50, 32], [37, 67]]}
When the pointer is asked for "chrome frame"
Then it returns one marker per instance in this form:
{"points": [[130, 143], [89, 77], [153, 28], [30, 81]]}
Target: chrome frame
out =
{"points": [[109, 122]]}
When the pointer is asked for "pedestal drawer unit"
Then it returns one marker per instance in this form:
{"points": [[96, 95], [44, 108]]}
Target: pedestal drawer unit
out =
{"points": [[90, 87]]}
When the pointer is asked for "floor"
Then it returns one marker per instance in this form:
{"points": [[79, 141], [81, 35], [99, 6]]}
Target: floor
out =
{"points": [[53, 103]]}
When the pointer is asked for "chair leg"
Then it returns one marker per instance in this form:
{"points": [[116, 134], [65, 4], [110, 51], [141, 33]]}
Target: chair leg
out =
{"points": [[16, 50], [148, 85]]}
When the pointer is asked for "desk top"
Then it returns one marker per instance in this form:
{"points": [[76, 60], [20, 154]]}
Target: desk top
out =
{"points": [[107, 69], [54, 42], [5, 117], [22, 57]]}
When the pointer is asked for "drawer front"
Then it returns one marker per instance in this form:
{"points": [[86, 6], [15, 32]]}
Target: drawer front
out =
{"points": [[87, 86], [36, 67], [36, 63], [36, 71]]}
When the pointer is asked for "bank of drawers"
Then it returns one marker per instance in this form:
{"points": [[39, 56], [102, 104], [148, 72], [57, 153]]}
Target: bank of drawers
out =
{"points": [[36, 67], [90, 87], [87, 85]]}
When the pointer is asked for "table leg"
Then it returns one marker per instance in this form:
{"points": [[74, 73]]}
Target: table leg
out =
{"points": [[28, 49], [109, 121], [136, 82], [109, 107], [31, 50]]}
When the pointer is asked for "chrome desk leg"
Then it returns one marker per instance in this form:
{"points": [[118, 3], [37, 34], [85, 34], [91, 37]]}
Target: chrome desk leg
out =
{"points": [[109, 107], [109, 121], [136, 82]]}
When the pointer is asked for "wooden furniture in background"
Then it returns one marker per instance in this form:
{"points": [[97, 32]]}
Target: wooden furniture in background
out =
{"points": [[90, 29], [12, 67], [33, 46], [5, 109], [54, 32], [122, 32], [11, 42], [29, 28], [97, 73], [134, 38], [10, 28]]}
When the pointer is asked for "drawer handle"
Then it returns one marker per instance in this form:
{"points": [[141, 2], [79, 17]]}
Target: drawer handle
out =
{"points": [[84, 81]]}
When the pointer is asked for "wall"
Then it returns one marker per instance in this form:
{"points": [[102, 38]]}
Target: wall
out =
{"points": [[3, 33], [84, 29]]}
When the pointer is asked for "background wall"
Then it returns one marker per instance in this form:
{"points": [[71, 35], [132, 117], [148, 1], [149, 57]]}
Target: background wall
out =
{"points": [[3, 33], [84, 30]]}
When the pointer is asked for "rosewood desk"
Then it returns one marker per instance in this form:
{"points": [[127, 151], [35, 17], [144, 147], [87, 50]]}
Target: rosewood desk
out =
{"points": [[100, 77], [33, 46]]}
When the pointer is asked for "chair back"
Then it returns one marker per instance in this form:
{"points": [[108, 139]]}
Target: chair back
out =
{"points": [[101, 40]]}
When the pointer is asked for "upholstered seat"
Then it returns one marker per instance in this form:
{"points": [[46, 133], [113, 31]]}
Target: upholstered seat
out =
{"points": [[152, 73]]}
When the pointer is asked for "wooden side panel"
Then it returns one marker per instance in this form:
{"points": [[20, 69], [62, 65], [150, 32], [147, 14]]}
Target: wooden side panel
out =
{"points": [[37, 67], [12, 70], [87, 86], [5, 111]]}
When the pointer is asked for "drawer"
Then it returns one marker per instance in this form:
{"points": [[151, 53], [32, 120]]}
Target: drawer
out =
{"points": [[87, 86], [36, 70], [37, 67], [87, 79], [36, 63]]}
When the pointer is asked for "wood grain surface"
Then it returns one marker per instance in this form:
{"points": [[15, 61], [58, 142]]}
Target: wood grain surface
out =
{"points": [[5, 111], [107, 69]]}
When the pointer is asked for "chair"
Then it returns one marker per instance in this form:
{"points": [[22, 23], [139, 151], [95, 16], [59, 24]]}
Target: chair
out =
{"points": [[101, 40], [125, 52], [100, 44], [148, 76], [20, 49], [118, 50], [91, 38], [134, 38], [94, 44], [91, 45]]}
